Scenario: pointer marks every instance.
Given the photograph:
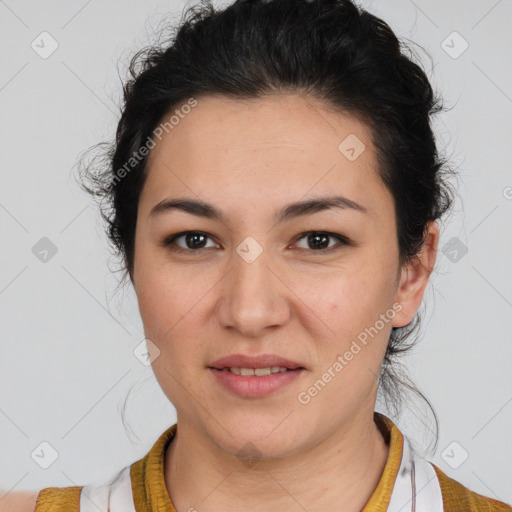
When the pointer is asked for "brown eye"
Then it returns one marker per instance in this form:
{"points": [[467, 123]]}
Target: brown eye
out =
{"points": [[318, 241], [193, 241]]}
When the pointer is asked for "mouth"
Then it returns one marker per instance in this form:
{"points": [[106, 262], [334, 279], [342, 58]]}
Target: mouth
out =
{"points": [[261, 365], [257, 372], [255, 377]]}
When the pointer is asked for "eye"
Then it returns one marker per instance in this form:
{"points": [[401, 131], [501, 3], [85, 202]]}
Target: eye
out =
{"points": [[319, 239], [195, 241]]}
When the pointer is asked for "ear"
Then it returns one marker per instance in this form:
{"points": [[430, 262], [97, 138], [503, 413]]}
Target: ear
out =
{"points": [[414, 277]]}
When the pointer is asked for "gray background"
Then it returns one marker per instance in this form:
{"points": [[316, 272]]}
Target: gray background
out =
{"points": [[67, 340]]}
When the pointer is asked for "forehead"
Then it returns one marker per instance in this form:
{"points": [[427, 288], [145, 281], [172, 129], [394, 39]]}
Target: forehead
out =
{"points": [[279, 147]]}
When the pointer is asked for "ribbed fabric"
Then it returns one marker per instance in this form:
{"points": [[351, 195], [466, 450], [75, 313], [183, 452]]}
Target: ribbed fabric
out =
{"points": [[150, 492], [148, 480], [59, 499], [381, 496], [456, 497]]}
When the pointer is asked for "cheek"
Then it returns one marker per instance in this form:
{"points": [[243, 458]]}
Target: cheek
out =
{"points": [[159, 306], [173, 308], [166, 304], [351, 297], [163, 292], [351, 303], [352, 306]]}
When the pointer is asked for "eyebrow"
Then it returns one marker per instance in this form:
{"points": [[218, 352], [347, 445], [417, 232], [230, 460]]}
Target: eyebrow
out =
{"points": [[288, 212]]}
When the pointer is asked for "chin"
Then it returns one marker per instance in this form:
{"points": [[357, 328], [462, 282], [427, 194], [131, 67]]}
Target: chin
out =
{"points": [[256, 436]]}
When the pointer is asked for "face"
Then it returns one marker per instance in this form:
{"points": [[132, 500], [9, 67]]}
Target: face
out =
{"points": [[318, 286]]}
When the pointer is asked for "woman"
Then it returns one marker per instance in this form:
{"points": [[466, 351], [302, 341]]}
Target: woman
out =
{"points": [[275, 186]]}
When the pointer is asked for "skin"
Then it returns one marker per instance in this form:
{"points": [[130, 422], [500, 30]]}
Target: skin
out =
{"points": [[250, 158], [20, 501]]}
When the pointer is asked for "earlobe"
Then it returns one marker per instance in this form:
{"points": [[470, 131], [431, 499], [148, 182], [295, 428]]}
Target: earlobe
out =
{"points": [[414, 277]]}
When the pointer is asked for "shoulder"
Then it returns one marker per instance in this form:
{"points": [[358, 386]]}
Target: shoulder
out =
{"points": [[113, 495], [126, 491], [18, 501], [58, 499], [457, 498]]}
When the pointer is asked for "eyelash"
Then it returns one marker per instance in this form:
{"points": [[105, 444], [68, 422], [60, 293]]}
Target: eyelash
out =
{"points": [[169, 242]]}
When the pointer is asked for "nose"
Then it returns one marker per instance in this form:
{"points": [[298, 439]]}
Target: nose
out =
{"points": [[254, 296]]}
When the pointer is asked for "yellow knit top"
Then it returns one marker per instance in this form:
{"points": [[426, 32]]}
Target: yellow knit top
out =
{"points": [[150, 492]]}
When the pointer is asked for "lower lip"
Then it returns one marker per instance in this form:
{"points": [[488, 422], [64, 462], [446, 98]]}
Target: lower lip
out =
{"points": [[254, 386]]}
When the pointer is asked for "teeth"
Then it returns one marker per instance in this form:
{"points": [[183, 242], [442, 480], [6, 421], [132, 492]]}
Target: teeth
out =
{"points": [[260, 372]]}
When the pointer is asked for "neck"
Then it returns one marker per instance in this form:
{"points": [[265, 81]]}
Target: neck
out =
{"points": [[340, 473]]}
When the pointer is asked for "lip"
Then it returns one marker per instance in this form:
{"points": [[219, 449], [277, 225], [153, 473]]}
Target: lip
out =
{"points": [[261, 361], [253, 386], [248, 386]]}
